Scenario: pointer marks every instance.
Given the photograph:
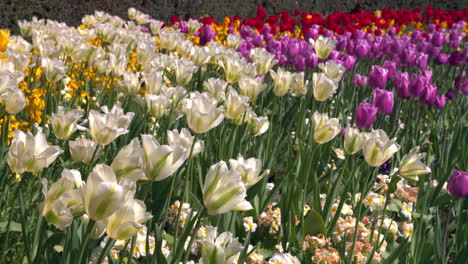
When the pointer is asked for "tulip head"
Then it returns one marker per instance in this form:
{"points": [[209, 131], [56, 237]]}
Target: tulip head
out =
{"points": [[365, 115], [127, 220], [379, 148], [325, 128], [411, 164], [457, 185], [383, 100], [323, 86], [353, 140], [65, 124]]}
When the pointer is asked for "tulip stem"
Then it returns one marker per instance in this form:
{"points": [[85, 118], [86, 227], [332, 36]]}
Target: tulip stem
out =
{"points": [[89, 228], [110, 243]]}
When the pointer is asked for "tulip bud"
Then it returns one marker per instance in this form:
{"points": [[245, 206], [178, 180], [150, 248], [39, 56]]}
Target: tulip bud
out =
{"points": [[353, 140], [64, 124], [83, 149], [379, 148], [411, 165], [127, 220], [224, 190], [153, 81], [236, 105], [102, 194], [325, 129], [457, 185], [161, 161], [323, 86], [377, 77], [248, 169], [383, 100], [183, 71]]}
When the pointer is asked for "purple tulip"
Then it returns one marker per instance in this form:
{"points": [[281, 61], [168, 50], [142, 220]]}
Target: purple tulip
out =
{"points": [[293, 50], [341, 42], [431, 28], [457, 185], [206, 35], [183, 27], [348, 61], [459, 78], [377, 77], [257, 40], [246, 31], [299, 63], [361, 49], [440, 101], [401, 85], [365, 115], [450, 94], [421, 61], [456, 58], [417, 85], [359, 80], [464, 87], [430, 95], [383, 100], [441, 58], [391, 67], [312, 33], [438, 39], [343, 131]]}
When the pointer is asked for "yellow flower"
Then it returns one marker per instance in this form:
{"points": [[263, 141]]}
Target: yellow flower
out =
{"points": [[4, 35]]}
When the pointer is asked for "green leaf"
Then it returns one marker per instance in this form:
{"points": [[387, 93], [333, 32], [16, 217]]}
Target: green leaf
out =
{"points": [[14, 227]]}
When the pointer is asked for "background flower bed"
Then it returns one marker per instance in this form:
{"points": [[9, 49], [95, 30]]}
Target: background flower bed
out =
{"points": [[71, 11]]}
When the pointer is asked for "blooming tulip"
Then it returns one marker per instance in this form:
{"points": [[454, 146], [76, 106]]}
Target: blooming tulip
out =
{"points": [[377, 77], [129, 161], [323, 46], [219, 249], [83, 150], [325, 129], [224, 190], [411, 165], [248, 169], [127, 220], [161, 161], [186, 140], [282, 80], [383, 100], [323, 86], [203, 114], [353, 140], [104, 128], [379, 148], [31, 153], [64, 124]]}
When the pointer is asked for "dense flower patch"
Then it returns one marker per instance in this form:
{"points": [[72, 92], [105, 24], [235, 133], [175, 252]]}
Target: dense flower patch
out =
{"points": [[291, 138]]}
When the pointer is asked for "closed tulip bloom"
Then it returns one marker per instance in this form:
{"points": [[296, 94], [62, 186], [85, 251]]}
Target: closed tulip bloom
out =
{"points": [[224, 190], [417, 85], [102, 194], [183, 71], [411, 164], [353, 140], [203, 114], [332, 69], [153, 81], [31, 153], [129, 162], [282, 81], [325, 128], [185, 139], [263, 60], [298, 86], [83, 149], [157, 104], [251, 87], [236, 106], [383, 100], [457, 185], [323, 86], [430, 95], [401, 85], [365, 115], [323, 46], [360, 80], [379, 148], [219, 249], [127, 220], [65, 124], [104, 128], [440, 101], [161, 161], [377, 77], [248, 169]]}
